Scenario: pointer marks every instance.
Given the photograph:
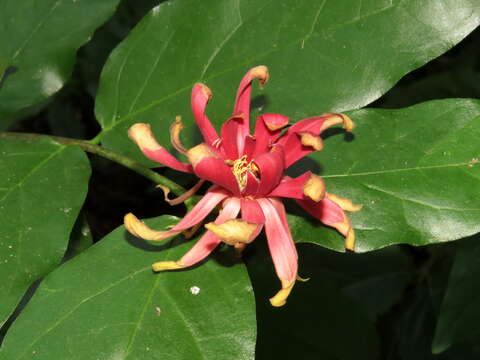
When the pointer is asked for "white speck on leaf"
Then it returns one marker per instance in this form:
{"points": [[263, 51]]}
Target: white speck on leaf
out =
{"points": [[195, 290], [158, 310]]}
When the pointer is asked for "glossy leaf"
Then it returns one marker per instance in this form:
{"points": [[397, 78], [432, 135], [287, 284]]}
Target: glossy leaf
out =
{"points": [[323, 56], [416, 171], [42, 188], [459, 314], [39, 39], [107, 304]]}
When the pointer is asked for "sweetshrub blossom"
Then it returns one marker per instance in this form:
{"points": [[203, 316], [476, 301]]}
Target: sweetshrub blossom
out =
{"points": [[248, 179]]}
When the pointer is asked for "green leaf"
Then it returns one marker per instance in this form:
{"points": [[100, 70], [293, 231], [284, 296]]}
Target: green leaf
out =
{"points": [[459, 314], [107, 304], [42, 188], [416, 171], [40, 39], [323, 56]]}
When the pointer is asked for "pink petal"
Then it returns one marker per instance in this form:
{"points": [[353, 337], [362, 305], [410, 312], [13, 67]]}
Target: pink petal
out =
{"points": [[200, 211], [200, 97], [252, 212], [142, 135], [249, 148], [209, 241], [231, 137], [294, 150], [271, 166], [267, 129], [280, 242], [252, 184], [162, 156], [215, 170], [327, 211], [242, 100], [291, 188]]}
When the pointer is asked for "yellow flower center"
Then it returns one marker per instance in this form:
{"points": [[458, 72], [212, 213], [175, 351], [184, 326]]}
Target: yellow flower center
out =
{"points": [[240, 168]]}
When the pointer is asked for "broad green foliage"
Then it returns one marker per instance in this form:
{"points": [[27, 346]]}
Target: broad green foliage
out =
{"points": [[108, 304], [459, 316], [39, 40], [42, 187], [415, 171], [323, 56]]}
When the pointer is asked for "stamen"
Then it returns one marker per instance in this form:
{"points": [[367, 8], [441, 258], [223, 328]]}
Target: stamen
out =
{"points": [[240, 168]]}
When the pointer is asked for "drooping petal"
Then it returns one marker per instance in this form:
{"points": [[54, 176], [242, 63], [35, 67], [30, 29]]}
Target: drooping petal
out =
{"points": [[211, 199], [242, 100], [207, 243], [267, 129], [271, 167], [281, 246], [201, 94], [329, 212], [208, 166], [303, 137], [252, 213], [142, 135]]}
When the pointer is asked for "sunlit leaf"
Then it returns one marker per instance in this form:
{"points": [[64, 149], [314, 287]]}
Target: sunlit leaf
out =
{"points": [[323, 56]]}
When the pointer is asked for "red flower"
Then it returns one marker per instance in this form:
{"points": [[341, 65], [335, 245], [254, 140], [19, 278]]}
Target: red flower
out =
{"points": [[248, 176]]}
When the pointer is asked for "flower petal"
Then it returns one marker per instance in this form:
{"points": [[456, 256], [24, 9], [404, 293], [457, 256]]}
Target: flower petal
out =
{"points": [[242, 100], [329, 212], [201, 94], [267, 129], [142, 135], [207, 243], [252, 213], [303, 137], [208, 166], [281, 245], [211, 199], [232, 138], [291, 187], [271, 166], [233, 231]]}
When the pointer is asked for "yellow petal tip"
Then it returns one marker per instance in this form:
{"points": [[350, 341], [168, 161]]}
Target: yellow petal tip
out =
{"points": [[280, 298], [166, 265]]}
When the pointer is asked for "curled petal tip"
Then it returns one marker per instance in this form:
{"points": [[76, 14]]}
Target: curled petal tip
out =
{"points": [[142, 135], [198, 153], [314, 188], [260, 72], [348, 124], [280, 298], [345, 204], [335, 119], [233, 231], [350, 240], [275, 121], [205, 90], [166, 265], [308, 139], [141, 230], [175, 130]]}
